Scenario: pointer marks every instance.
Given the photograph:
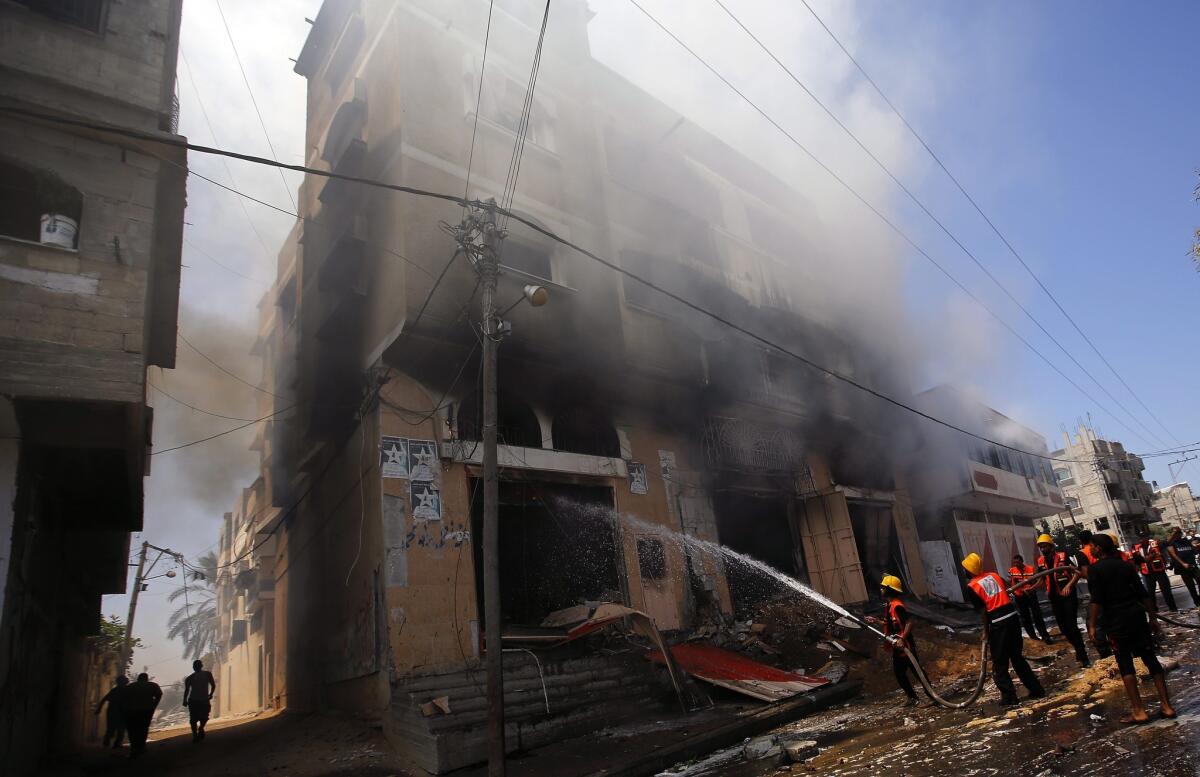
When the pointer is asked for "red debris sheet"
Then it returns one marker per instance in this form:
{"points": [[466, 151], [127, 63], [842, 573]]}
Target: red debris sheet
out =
{"points": [[735, 672]]}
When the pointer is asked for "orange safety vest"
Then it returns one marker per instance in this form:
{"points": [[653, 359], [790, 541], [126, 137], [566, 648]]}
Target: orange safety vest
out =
{"points": [[1091, 555], [1152, 553], [1127, 555], [1061, 578], [990, 588], [892, 624], [1018, 575]]}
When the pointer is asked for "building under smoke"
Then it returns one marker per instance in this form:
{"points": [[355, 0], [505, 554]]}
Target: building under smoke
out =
{"points": [[622, 412]]}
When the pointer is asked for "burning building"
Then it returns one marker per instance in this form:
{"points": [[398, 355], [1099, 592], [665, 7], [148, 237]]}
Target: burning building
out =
{"points": [[623, 414], [90, 234]]}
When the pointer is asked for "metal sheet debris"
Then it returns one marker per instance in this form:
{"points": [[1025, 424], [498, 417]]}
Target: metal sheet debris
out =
{"points": [[726, 669]]}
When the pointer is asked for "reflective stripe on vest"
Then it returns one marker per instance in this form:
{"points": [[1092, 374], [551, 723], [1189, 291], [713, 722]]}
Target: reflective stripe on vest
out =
{"points": [[1060, 561], [1151, 553], [990, 588]]}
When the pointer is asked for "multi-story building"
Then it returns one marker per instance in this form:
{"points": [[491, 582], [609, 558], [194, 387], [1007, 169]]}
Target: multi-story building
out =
{"points": [[1177, 506], [1103, 487], [977, 496], [90, 234], [622, 414]]}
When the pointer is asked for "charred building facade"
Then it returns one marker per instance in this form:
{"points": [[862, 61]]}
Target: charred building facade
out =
{"points": [[90, 234], [622, 413]]}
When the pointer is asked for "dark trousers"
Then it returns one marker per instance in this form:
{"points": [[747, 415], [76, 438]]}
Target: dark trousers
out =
{"points": [[1066, 615], [137, 723], [114, 731], [1159, 579], [1189, 579], [1031, 617], [1004, 638], [901, 666]]}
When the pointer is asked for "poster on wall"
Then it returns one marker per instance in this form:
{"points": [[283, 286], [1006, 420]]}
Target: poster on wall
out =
{"points": [[393, 457], [423, 460], [941, 570], [637, 478], [426, 501]]}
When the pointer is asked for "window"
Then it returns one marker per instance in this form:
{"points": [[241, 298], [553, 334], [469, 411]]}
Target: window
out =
{"points": [[27, 195], [1114, 491], [1063, 477], [1102, 523], [526, 257], [652, 558], [86, 14], [784, 377], [503, 99], [1073, 502]]}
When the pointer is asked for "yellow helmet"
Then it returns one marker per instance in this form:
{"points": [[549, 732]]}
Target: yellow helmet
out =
{"points": [[973, 563], [892, 582], [1045, 539]]}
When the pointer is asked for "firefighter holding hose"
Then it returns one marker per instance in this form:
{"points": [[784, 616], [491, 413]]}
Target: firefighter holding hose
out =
{"points": [[897, 626], [1026, 599], [1064, 600], [989, 593]]}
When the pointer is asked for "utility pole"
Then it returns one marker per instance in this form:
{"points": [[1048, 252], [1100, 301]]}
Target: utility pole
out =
{"points": [[487, 266], [133, 600]]}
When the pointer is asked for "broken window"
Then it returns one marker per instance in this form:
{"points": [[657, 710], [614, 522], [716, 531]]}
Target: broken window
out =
{"points": [[516, 423], [586, 430], [558, 548], [652, 558]]}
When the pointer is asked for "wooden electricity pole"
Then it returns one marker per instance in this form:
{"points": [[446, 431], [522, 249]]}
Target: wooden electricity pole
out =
{"points": [[133, 600]]}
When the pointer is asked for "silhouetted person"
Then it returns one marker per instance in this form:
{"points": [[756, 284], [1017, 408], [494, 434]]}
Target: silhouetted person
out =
{"points": [[114, 720], [198, 690], [141, 698]]}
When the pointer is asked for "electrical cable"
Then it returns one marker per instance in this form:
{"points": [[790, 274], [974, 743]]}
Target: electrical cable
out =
{"points": [[254, 102], [985, 217], [223, 266], [197, 409], [487, 35], [222, 434], [879, 214], [227, 372], [136, 134], [514, 167], [940, 224]]}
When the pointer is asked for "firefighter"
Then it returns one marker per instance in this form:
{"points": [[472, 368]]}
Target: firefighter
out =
{"points": [[1027, 599], [1121, 603], [1064, 600], [897, 625], [1003, 629], [1152, 562]]}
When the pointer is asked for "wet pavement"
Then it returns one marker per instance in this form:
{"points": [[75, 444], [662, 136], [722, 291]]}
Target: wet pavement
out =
{"points": [[1074, 731]]}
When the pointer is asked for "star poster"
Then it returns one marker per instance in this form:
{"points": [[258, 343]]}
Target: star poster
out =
{"points": [[423, 459], [393, 457], [426, 501], [637, 478]]}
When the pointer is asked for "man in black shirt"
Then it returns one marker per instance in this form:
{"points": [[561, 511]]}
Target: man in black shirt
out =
{"points": [[1183, 559], [1121, 604], [198, 690], [140, 699]]}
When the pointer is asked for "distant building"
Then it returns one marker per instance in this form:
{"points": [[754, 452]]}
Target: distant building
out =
{"points": [[976, 496], [1103, 487], [1178, 507], [90, 234]]}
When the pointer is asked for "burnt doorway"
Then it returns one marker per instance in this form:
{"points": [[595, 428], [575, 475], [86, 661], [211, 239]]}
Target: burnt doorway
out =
{"points": [[877, 542], [558, 548], [759, 526]]}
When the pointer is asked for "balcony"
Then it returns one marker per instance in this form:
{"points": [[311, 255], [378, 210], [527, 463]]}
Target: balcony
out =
{"points": [[260, 595], [997, 490]]}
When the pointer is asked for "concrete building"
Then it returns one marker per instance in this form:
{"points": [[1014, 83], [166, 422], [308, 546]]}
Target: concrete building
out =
{"points": [[622, 414], [976, 496], [1177, 506], [1103, 487], [90, 233]]}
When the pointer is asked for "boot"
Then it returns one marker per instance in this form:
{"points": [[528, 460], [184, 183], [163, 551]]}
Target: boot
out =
{"points": [[1009, 700]]}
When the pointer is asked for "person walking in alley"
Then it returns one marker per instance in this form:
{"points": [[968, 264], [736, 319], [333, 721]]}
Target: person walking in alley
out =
{"points": [[988, 592], [1064, 600], [1027, 599], [198, 690], [114, 720], [141, 698], [1123, 606], [1183, 560], [1148, 554], [897, 625]]}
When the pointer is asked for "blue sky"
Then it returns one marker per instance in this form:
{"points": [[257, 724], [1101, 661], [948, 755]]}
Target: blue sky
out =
{"points": [[1073, 124]]}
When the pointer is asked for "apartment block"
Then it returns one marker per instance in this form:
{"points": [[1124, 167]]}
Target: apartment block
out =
{"points": [[1178, 506]]}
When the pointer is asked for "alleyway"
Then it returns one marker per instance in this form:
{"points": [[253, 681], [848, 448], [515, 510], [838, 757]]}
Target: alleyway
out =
{"points": [[292, 745]]}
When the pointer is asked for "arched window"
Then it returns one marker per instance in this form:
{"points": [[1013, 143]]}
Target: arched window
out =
{"points": [[586, 430], [27, 194], [516, 423]]}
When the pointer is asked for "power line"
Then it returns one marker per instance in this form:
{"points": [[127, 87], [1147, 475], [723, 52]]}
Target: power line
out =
{"points": [[552, 236], [227, 372], [985, 217], [225, 162], [193, 407], [514, 165], [878, 213], [222, 434], [212, 259], [254, 102], [940, 224], [478, 98]]}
